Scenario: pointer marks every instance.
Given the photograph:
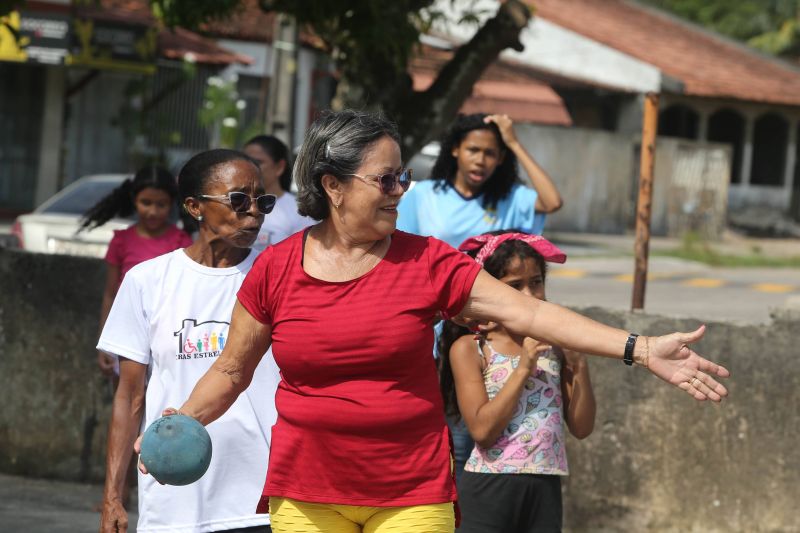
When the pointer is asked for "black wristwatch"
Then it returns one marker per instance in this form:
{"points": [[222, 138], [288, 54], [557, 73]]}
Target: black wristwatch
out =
{"points": [[627, 358]]}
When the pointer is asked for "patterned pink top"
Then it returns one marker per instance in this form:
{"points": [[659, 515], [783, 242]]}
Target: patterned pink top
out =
{"points": [[533, 442]]}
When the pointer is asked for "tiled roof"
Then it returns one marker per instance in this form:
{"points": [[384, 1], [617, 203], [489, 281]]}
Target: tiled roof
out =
{"points": [[707, 64], [504, 88], [248, 23], [172, 44], [176, 44]]}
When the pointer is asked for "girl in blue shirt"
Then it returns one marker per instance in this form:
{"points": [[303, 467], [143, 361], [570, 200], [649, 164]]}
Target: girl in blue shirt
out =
{"points": [[475, 186]]}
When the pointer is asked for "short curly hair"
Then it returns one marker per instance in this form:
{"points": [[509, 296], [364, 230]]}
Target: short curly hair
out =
{"points": [[335, 144]]}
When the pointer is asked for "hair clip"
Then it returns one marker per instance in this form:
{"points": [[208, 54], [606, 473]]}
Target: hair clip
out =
{"points": [[327, 151]]}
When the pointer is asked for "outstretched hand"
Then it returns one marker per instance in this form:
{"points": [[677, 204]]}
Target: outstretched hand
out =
{"points": [[671, 359]]}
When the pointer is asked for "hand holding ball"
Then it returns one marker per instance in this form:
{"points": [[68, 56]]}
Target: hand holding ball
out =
{"points": [[176, 450]]}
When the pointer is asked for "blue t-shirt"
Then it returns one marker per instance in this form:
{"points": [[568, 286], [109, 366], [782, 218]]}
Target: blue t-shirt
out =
{"points": [[450, 217]]}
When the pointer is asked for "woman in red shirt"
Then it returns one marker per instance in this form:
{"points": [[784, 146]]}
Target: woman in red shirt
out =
{"points": [[348, 305]]}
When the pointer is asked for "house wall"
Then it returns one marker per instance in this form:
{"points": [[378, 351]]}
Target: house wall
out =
{"points": [[561, 51], [657, 460], [558, 50], [597, 174], [92, 142]]}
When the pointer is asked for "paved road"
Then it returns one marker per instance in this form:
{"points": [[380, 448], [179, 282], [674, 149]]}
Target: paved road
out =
{"points": [[46, 506], [675, 287]]}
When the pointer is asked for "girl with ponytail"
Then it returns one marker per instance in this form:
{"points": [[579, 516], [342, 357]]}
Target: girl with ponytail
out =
{"points": [[151, 195]]}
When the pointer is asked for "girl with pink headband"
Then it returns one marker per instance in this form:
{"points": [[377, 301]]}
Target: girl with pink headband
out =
{"points": [[513, 395]]}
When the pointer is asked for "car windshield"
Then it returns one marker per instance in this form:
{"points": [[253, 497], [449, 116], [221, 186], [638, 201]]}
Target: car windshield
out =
{"points": [[81, 198]]}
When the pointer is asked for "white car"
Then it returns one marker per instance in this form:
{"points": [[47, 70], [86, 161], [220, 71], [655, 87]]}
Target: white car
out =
{"points": [[422, 162], [52, 228]]}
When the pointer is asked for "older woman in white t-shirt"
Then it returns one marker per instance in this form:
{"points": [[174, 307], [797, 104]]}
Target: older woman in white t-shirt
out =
{"points": [[168, 324], [273, 159]]}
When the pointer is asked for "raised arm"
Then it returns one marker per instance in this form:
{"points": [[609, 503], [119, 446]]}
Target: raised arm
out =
{"points": [[248, 340], [548, 199], [668, 357], [487, 419]]}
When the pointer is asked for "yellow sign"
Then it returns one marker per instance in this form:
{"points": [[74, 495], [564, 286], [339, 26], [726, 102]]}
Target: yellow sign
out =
{"points": [[12, 43]]}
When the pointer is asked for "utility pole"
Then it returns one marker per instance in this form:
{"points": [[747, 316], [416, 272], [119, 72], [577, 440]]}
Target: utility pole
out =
{"points": [[645, 202], [281, 101]]}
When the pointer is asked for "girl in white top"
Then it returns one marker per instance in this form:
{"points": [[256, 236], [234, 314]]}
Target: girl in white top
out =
{"points": [[272, 157], [168, 324]]}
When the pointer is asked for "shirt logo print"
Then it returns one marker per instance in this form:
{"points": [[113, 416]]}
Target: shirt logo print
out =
{"points": [[199, 340]]}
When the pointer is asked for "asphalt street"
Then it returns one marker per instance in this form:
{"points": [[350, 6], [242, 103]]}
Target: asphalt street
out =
{"points": [[675, 287], [48, 506]]}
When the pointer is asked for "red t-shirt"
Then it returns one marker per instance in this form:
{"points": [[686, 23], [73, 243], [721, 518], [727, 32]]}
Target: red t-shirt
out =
{"points": [[360, 416], [127, 248]]}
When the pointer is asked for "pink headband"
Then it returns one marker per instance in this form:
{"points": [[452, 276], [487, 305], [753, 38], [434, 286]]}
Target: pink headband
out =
{"points": [[488, 244]]}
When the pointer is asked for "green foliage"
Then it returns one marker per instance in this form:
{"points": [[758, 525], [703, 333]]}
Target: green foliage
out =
{"points": [[7, 6], [772, 26], [222, 113], [371, 42], [359, 32], [192, 13], [695, 248]]}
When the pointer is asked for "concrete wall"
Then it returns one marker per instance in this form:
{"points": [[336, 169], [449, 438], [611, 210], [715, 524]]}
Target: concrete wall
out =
{"points": [[597, 174], [657, 461]]}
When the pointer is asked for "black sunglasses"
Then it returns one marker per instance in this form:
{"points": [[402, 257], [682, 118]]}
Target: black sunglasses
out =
{"points": [[241, 202], [388, 182]]}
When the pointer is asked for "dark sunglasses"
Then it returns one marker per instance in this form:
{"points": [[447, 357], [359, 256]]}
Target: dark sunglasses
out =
{"points": [[241, 202], [389, 182]]}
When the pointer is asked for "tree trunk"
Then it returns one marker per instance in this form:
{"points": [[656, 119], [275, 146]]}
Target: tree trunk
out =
{"points": [[423, 116]]}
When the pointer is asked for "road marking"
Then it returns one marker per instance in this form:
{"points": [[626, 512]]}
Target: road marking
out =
{"points": [[628, 278], [773, 287], [706, 283], [568, 273]]}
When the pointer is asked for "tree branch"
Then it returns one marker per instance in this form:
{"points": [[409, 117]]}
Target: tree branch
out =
{"points": [[425, 115]]}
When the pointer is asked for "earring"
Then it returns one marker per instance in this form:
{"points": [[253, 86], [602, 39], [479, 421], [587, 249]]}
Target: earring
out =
{"points": [[199, 218], [336, 206]]}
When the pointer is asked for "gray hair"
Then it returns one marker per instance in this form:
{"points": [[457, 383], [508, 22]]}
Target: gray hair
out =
{"points": [[335, 144]]}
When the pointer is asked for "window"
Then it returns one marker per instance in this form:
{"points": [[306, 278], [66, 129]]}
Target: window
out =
{"points": [[770, 138], [727, 126], [678, 121]]}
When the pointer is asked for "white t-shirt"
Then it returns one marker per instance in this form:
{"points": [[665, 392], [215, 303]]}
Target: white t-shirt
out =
{"points": [[282, 222], [172, 314]]}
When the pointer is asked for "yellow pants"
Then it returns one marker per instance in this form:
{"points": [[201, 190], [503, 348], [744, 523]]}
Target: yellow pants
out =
{"points": [[292, 516]]}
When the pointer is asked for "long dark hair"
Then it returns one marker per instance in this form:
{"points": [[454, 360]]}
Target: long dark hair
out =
{"points": [[499, 184], [497, 265], [277, 151], [120, 201]]}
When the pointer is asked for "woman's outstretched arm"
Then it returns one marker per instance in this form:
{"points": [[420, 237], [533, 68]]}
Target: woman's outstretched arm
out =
{"points": [[669, 356]]}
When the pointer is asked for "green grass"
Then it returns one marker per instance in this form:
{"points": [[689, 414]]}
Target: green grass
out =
{"points": [[695, 248]]}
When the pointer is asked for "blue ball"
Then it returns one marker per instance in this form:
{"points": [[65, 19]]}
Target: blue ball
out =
{"points": [[176, 450]]}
